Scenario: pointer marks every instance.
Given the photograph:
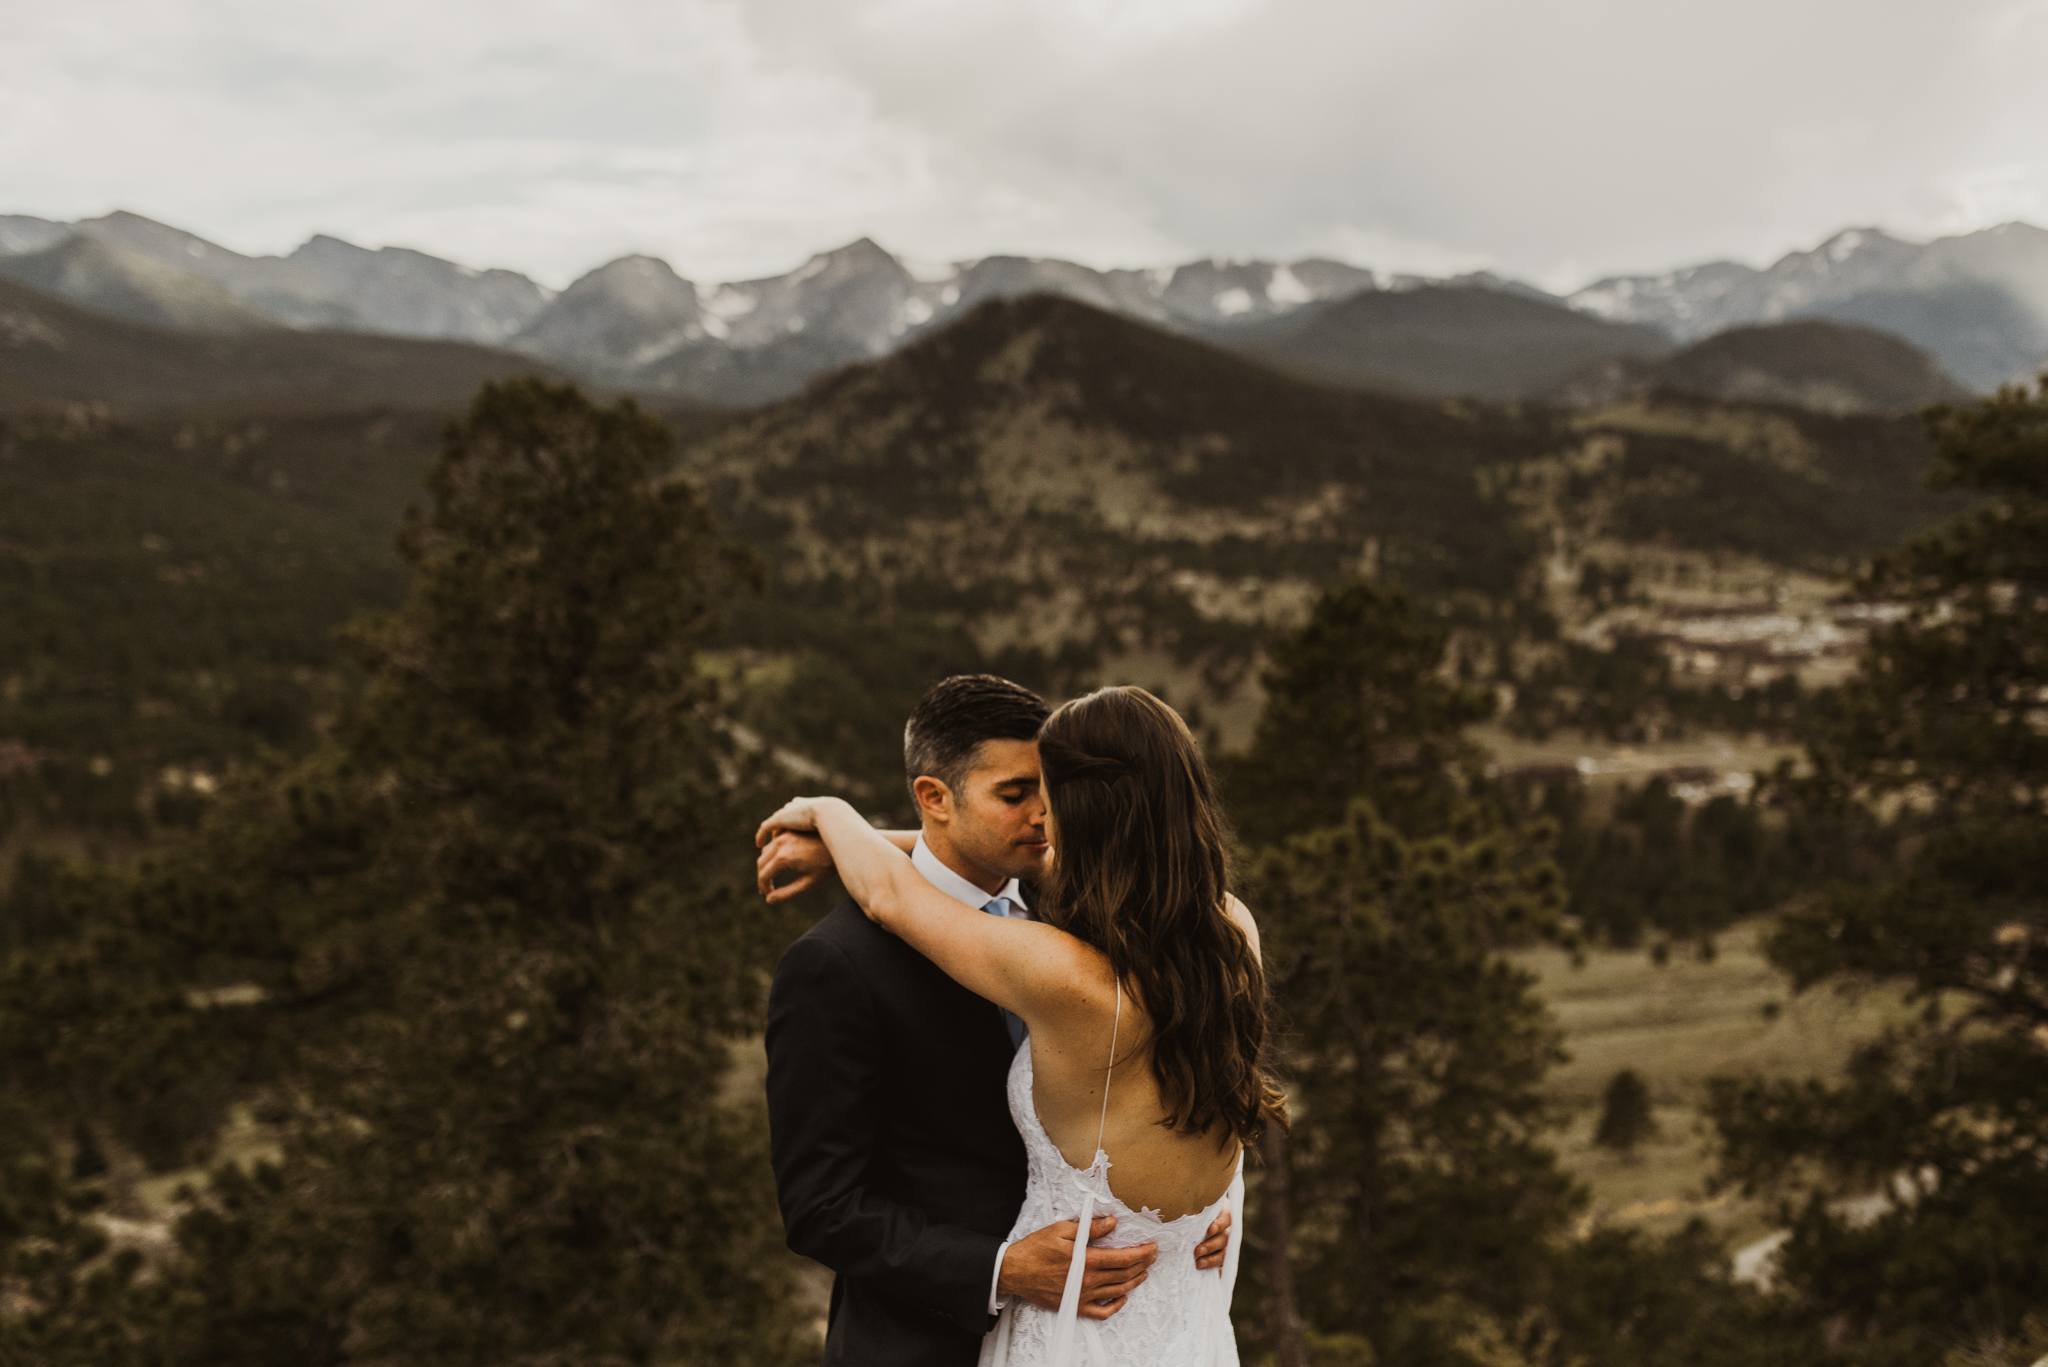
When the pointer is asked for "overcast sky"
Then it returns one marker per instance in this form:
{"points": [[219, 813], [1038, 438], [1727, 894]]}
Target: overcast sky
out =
{"points": [[1554, 141]]}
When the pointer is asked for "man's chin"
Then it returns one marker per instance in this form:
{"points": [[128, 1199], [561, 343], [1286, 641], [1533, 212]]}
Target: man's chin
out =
{"points": [[1031, 863]]}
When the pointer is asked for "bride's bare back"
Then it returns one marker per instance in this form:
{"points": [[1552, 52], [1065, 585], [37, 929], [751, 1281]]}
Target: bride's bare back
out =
{"points": [[1169, 1171]]}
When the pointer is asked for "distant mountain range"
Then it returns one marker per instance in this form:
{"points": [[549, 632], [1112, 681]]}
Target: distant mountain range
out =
{"points": [[1472, 340], [326, 283], [1811, 363], [56, 355], [635, 322], [1977, 304]]}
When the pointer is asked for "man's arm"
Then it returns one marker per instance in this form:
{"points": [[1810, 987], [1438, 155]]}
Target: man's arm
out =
{"points": [[1035, 1268], [824, 1122]]}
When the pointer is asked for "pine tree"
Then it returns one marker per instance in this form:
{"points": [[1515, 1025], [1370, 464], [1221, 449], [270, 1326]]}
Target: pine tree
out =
{"points": [[1412, 1051], [1945, 723], [1357, 705], [502, 930], [57, 1286], [1626, 1119]]}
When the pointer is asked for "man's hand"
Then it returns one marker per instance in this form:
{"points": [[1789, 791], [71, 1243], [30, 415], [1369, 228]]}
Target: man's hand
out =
{"points": [[1209, 1252], [1035, 1267], [801, 858]]}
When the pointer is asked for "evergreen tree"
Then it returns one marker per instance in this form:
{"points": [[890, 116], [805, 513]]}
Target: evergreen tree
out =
{"points": [[1626, 1119], [1617, 1298], [1413, 1051], [60, 1294], [1946, 723], [502, 936], [1357, 705]]}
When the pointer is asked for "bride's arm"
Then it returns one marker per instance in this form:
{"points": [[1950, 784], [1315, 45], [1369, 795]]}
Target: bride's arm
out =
{"points": [[794, 862], [1009, 962]]}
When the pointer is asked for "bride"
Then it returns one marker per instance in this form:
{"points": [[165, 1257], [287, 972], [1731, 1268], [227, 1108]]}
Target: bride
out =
{"points": [[1139, 1081]]}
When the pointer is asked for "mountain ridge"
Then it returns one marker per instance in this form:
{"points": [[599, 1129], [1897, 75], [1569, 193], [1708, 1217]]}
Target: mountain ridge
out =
{"points": [[56, 355], [1813, 363], [326, 283], [1443, 341], [121, 283], [1978, 302]]}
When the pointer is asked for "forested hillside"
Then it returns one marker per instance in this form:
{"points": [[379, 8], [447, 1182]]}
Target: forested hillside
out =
{"points": [[184, 523], [1056, 492], [1045, 490]]}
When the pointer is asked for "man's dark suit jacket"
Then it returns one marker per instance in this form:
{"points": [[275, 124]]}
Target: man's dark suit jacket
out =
{"points": [[896, 1161]]}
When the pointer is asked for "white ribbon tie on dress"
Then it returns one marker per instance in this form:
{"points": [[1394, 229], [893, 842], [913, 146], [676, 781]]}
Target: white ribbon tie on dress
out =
{"points": [[1069, 1322]]}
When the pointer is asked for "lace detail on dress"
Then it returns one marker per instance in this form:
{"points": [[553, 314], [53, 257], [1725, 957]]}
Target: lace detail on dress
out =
{"points": [[1179, 1317]]}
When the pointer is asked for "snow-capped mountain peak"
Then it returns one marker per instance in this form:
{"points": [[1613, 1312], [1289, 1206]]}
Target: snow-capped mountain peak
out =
{"points": [[1979, 301]]}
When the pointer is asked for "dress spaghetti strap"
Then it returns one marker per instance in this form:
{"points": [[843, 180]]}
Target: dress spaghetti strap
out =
{"points": [[1109, 1073], [1070, 1298]]}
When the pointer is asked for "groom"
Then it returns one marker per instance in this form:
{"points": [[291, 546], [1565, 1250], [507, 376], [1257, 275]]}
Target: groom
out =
{"points": [[896, 1161]]}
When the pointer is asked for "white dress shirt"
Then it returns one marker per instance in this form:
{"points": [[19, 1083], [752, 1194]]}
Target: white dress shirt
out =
{"points": [[960, 890]]}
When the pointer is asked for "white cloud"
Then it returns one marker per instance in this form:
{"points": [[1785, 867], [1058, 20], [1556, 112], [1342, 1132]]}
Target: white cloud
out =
{"points": [[1991, 195], [734, 137]]}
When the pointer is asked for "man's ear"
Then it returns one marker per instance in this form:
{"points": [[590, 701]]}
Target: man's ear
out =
{"points": [[934, 798]]}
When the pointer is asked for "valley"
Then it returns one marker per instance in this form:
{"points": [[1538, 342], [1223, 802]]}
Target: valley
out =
{"points": [[1044, 489], [1677, 1024]]}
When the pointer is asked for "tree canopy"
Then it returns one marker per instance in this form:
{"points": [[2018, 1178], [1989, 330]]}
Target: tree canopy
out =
{"points": [[1357, 705], [1939, 1124]]}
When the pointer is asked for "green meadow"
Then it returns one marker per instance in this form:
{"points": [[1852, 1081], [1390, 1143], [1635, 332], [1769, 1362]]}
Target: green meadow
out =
{"points": [[1677, 1025]]}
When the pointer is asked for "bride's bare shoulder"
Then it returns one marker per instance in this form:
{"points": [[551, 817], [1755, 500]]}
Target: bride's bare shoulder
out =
{"points": [[1241, 915]]}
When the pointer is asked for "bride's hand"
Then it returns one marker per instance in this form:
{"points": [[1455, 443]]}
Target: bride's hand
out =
{"points": [[797, 814]]}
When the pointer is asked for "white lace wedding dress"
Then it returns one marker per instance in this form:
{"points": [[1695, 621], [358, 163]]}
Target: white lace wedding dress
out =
{"points": [[1179, 1317]]}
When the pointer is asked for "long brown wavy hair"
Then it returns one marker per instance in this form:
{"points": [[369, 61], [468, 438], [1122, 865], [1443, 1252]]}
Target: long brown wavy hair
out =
{"points": [[1141, 867]]}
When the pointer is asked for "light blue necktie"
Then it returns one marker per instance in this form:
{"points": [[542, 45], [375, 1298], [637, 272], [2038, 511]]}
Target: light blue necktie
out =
{"points": [[1000, 906]]}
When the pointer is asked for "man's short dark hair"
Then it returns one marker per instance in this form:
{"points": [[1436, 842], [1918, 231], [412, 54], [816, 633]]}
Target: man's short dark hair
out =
{"points": [[956, 715]]}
